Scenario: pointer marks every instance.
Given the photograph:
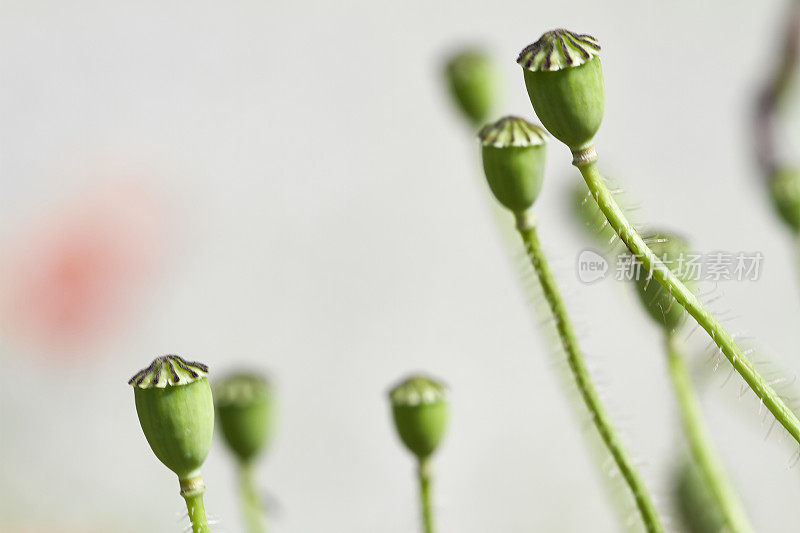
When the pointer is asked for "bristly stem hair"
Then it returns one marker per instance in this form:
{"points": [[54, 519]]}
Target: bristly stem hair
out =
{"points": [[585, 160], [580, 372]]}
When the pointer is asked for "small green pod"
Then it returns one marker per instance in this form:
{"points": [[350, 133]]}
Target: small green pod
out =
{"points": [[470, 78], [564, 79], [694, 502], [513, 152], [421, 410], [784, 190], [245, 405], [176, 412], [659, 303]]}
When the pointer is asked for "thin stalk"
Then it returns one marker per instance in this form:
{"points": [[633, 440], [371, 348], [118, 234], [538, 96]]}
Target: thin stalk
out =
{"points": [[192, 491], [699, 440], [585, 161], [426, 508], [255, 517], [577, 365]]}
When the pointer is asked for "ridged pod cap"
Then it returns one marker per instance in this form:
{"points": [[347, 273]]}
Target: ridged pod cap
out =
{"points": [[420, 409], [176, 412], [784, 190], [659, 303], [513, 152], [470, 78], [245, 404], [564, 79]]}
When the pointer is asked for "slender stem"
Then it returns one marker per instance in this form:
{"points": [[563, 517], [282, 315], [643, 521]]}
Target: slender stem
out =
{"points": [[699, 440], [255, 517], [426, 508], [687, 300], [580, 372], [192, 491]]}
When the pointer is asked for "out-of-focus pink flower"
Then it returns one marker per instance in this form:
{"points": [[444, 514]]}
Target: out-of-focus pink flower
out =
{"points": [[70, 275]]}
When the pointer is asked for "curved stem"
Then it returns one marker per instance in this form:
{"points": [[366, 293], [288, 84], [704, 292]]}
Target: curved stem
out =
{"points": [[699, 440], [577, 365], [192, 491], [426, 508], [687, 300], [765, 127], [255, 518]]}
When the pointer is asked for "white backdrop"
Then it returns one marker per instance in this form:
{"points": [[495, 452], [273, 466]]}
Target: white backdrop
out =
{"points": [[328, 222]]}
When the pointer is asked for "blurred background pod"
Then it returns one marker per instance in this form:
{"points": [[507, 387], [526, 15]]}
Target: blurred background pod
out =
{"points": [[659, 303], [564, 80], [420, 409], [693, 502], [472, 81], [245, 404], [784, 191]]}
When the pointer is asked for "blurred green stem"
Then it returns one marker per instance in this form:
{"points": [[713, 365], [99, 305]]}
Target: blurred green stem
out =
{"points": [[699, 440], [580, 373], [255, 517], [426, 508]]}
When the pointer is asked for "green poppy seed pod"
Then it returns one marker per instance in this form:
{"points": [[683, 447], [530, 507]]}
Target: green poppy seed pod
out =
{"points": [[564, 79], [784, 190], [176, 412], [470, 78], [246, 413], [659, 303], [513, 152], [420, 409]]}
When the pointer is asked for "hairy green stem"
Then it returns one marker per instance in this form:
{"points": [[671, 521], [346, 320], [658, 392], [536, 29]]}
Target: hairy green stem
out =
{"points": [[426, 507], [580, 373], [585, 162], [699, 440], [194, 505], [255, 517]]}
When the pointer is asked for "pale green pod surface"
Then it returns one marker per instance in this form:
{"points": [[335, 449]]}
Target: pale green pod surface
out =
{"points": [[564, 79], [470, 79], [421, 411], [176, 412], [658, 302], [246, 413], [784, 190], [513, 153], [694, 502]]}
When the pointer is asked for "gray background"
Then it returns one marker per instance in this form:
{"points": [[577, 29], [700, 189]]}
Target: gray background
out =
{"points": [[331, 225]]}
